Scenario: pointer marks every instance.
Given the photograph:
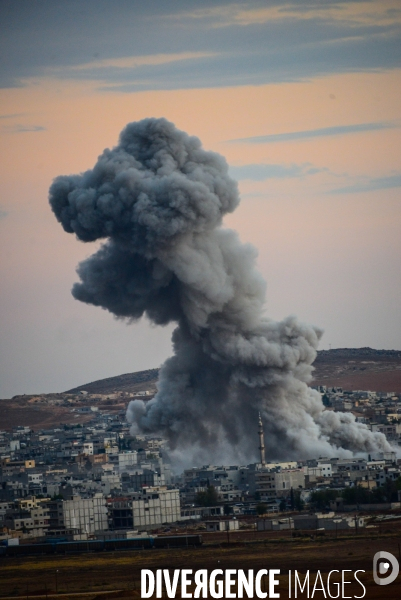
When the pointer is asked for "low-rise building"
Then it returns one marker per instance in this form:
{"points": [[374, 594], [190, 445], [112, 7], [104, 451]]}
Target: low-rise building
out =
{"points": [[226, 525]]}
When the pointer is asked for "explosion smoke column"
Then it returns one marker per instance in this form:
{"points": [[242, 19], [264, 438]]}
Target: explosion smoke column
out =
{"points": [[160, 198]]}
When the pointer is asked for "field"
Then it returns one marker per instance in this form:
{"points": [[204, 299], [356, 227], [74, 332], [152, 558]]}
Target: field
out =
{"points": [[117, 574], [20, 412], [359, 369]]}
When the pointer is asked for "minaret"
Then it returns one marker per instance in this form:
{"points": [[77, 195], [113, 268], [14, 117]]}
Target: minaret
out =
{"points": [[261, 442]]}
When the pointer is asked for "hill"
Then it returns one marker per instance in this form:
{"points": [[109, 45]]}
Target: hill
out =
{"points": [[359, 369], [349, 368], [129, 382]]}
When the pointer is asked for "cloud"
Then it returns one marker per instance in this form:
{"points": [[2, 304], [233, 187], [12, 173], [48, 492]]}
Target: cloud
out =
{"points": [[12, 116], [254, 44], [239, 13], [321, 132], [23, 128], [260, 172], [134, 62], [370, 185]]}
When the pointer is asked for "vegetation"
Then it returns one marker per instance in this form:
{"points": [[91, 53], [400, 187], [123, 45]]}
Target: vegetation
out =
{"points": [[357, 495], [207, 498], [322, 498], [283, 504], [261, 508], [326, 400], [296, 501]]}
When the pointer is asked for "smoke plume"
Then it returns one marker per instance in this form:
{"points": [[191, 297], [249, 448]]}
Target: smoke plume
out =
{"points": [[158, 198]]}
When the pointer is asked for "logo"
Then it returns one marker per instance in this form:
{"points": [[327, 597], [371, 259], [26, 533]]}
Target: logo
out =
{"points": [[385, 563]]}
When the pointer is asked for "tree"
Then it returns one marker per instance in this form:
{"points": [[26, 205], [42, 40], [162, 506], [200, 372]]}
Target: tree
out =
{"points": [[390, 491], [207, 498], [326, 400], [322, 498], [298, 502], [261, 508], [359, 495], [356, 495]]}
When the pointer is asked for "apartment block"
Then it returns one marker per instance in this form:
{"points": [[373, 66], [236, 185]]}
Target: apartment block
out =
{"points": [[84, 515], [150, 508]]}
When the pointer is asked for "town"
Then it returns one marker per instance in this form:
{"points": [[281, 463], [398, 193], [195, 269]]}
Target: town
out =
{"points": [[94, 480]]}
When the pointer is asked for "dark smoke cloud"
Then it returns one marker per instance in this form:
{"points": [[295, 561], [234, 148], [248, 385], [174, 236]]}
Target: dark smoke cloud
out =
{"points": [[159, 199]]}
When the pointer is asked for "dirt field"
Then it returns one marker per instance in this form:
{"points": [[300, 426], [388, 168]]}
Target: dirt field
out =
{"points": [[385, 381], [118, 573], [19, 412], [364, 369]]}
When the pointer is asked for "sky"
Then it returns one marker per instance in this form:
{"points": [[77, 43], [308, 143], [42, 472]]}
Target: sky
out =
{"points": [[301, 97]]}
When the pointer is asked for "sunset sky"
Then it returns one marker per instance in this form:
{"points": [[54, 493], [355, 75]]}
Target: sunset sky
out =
{"points": [[303, 98]]}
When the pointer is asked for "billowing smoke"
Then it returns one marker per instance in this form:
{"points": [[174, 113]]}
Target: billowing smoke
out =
{"points": [[159, 199]]}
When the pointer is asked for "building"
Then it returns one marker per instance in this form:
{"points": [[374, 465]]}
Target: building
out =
{"points": [[84, 515], [150, 508], [229, 525], [270, 484]]}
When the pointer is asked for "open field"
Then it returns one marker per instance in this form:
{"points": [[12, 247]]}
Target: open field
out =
{"points": [[359, 369], [118, 573], [20, 412]]}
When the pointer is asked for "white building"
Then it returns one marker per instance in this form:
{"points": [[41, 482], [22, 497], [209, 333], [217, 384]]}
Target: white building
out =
{"points": [[86, 515], [127, 460], [326, 470], [271, 484], [152, 507], [228, 525], [88, 448]]}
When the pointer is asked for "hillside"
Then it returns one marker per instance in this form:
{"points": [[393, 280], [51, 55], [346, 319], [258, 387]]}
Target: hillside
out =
{"points": [[129, 382], [359, 369], [349, 368]]}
